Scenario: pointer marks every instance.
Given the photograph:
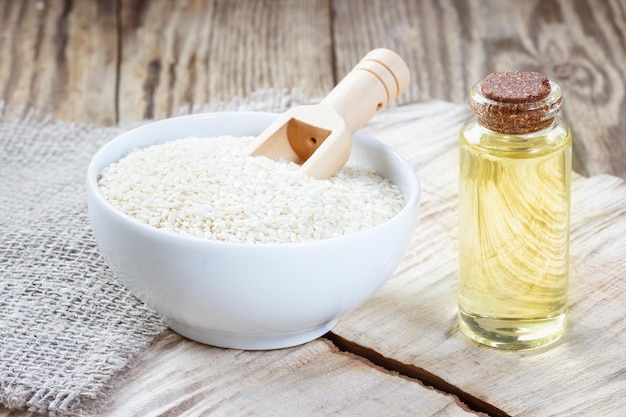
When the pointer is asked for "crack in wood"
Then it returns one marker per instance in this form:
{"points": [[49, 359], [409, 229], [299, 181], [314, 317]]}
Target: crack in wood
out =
{"points": [[416, 373]]}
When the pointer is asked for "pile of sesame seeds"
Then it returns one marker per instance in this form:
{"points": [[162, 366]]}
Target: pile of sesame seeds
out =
{"points": [[208, 188]]}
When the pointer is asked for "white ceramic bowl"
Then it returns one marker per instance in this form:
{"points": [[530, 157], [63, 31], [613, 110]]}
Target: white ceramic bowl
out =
{"points": [[248, 296]]}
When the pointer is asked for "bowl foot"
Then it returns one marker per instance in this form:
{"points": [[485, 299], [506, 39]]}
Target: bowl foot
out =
{"points": [[250, 341]]}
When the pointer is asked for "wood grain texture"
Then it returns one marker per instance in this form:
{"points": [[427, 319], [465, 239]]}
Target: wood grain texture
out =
{"points": [[184, 378], [451, 45], [59, 57], [111, 61], [194, 52], [412, 319]]}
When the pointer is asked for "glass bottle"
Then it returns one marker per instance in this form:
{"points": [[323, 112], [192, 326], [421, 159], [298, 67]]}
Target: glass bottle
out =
{"points": [[514, 212]]}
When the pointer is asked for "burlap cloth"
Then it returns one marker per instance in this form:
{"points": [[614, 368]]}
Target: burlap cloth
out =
{"points": [[68, 329]]}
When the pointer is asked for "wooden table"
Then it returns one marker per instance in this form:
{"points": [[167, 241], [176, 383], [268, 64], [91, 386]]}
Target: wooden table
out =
{"points": [[110, 62]]}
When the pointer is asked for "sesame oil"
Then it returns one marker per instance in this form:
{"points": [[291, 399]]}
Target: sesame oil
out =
{"points": [[514, 207]]}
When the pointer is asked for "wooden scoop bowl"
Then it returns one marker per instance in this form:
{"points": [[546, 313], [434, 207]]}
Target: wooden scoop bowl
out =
{"points": [[319, 137]]}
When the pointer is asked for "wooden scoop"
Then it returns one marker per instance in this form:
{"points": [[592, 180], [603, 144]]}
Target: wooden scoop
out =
{"points": [[319, 137]]}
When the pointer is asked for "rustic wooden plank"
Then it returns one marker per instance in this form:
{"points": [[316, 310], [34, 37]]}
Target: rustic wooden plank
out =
{"points": [[177, 54], [63, 56], [412, 319], [59, 58], [181, 377], [451, 45]]}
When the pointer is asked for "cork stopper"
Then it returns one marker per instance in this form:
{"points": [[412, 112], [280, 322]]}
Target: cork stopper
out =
{"points": [[514, 102]]}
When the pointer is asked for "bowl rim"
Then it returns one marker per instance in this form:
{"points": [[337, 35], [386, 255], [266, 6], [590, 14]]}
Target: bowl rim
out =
{"points": [[94, 190]]}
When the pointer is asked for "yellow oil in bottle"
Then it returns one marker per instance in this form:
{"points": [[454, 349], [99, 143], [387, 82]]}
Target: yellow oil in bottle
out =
{"points": [[514, 203]]}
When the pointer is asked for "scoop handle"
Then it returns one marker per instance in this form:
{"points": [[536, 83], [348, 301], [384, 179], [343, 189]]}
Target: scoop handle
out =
{"points": [[380, 77]]}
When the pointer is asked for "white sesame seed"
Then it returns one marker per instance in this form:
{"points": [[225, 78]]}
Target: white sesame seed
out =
{"points": [[207, 187]]}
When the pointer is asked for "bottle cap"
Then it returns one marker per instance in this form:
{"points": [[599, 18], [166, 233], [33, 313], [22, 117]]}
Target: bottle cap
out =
{"points": [[515, 102]]}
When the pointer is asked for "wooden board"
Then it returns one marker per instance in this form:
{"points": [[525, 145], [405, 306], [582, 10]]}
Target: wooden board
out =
{"points": [[181, 377], [449, 46], [110, 61], [412, 319], [182, 54], [59, 58]]}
